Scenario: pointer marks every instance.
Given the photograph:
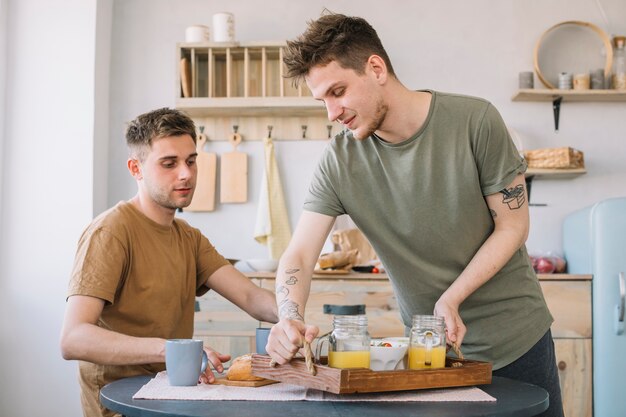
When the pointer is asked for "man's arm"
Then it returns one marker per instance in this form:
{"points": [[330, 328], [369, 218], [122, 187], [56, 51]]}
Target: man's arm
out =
{"points": [[509, 209], [293, 282], [82, 339], [238, 289]]}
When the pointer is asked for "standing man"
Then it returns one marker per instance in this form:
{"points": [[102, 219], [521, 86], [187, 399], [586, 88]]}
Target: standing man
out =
{"points": [[435, 183], [138, 268]]}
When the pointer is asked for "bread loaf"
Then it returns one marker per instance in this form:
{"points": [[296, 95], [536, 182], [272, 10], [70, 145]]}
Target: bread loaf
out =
{"points": [[241, 370]]}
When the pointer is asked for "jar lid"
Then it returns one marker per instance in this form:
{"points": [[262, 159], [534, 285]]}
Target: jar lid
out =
{"points": [[340, 310]]}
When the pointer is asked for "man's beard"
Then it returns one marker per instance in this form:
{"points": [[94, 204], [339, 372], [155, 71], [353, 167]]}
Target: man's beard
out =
{"points": [[379, 116]]}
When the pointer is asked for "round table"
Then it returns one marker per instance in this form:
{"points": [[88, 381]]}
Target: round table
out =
{"points": [[514, 399]]}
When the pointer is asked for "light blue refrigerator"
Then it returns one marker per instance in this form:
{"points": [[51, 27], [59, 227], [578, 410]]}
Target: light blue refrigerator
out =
{"points": [[594, 242]]}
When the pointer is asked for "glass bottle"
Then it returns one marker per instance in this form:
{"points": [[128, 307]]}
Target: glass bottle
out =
{"points": [[348, 343], [619, 63], [427, 343]]}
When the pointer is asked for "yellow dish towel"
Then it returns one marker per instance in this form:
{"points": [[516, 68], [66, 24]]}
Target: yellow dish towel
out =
{"points": [[272, 222]]}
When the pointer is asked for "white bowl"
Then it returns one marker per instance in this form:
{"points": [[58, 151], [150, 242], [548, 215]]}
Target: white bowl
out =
{"points": [[387, 358], [265, 265]]}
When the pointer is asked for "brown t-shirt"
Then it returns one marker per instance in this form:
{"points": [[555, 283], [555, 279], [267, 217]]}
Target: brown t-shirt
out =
{"points": [[149, 275]]}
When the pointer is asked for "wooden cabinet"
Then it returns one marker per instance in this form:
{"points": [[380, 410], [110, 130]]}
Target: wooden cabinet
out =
{"points": [[224, 85], [229, 330], [569, 300]]}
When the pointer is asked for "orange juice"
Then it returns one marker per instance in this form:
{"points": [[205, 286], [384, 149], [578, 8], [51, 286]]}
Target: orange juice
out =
{"points": [[417, 357], [349, 359]]}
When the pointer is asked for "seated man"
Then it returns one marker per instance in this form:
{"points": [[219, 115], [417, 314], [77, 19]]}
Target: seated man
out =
{"points": [[138, 268]]}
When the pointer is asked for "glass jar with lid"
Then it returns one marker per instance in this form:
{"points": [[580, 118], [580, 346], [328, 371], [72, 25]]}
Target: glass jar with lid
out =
{"points": [[619, 63], [349, 341], [427, 343]]}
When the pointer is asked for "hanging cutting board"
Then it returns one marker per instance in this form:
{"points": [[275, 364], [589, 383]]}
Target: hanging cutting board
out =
{"points": [[185, 77], [204, 196], [234, 174]]}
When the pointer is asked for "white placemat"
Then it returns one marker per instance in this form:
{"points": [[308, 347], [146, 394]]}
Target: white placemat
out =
{"points": [[159, 388]]}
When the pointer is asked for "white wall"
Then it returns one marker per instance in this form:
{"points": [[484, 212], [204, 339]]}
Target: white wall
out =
{"points": [[470, 47], [47, 195], [53, 170]]}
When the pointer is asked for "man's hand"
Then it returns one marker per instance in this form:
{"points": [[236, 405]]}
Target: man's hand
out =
{"points": [[455, 328], [286, 338], [215, 360]]}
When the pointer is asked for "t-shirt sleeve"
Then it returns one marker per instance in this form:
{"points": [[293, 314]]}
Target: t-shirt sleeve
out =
{"points": [[209, 260], [497, 159], [99, 266], [323, 194]]}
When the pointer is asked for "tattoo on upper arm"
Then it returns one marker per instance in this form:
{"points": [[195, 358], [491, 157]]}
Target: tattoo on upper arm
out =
{"points": [[514, 197], [493, 213], [287, 309]]}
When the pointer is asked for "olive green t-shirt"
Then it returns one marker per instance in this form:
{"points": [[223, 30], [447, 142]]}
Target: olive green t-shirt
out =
{"points": [[148, 275], [421, 203]]}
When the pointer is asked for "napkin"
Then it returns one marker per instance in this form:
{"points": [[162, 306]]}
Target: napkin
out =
{"points": [[159, 388], [272, 222]]}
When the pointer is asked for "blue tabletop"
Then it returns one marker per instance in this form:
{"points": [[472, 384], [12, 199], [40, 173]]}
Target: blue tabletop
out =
{"points": [[514, 399]]}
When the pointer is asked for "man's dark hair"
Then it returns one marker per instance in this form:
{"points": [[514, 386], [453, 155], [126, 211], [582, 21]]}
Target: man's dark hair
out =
{"points": [[157, 124], [334, 37]]}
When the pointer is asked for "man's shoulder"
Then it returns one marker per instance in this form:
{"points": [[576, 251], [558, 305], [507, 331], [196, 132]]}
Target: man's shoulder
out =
{"points": [[116, 221], [461, 99]]}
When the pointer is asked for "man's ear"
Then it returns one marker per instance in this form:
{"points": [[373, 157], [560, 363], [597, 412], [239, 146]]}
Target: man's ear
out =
{"points": [[378, 67], [134, 167]]}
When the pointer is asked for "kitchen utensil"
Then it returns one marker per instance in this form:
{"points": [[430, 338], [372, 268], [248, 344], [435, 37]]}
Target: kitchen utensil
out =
{"points": [[571, 46], [234, 173], [204, 196], [185, 77]]}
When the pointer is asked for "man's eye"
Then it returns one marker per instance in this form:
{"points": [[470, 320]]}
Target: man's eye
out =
{"points": [[339, 92], [169, 165], [191, 162]]}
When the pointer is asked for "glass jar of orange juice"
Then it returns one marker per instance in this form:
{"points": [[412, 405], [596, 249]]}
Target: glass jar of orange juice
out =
{"points": [[427, 343], [349, 341]]}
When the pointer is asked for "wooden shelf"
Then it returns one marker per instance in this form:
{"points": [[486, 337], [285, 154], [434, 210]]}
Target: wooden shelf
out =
{"points": [[570, 95], [251, 106], [555, 173]]}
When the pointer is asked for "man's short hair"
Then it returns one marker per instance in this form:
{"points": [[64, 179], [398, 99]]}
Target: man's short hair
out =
{"points": [[334, 37], [157, 124]]}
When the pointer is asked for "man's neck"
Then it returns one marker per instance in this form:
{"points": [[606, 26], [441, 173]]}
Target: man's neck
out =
{"points": [[406, 114], [153, 211]]}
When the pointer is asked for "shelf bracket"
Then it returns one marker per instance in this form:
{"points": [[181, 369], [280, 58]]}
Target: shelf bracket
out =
{"points": [[556, 108], [529, 183]]}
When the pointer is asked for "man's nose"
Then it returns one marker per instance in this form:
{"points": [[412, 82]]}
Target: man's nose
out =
{"points": [[334, 110]]}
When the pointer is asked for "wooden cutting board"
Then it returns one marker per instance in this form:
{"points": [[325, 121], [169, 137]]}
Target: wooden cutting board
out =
{"points": [[234, 174], [204, 196], [185, 77], [253, 384]]}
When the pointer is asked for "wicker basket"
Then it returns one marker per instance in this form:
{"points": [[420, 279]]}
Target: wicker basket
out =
{"points": [[555, 158]]}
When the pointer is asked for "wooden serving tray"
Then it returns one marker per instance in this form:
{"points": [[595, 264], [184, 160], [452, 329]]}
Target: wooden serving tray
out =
{"points": [[345, 381]]}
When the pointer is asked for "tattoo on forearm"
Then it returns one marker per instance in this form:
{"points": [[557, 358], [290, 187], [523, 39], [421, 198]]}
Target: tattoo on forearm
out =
{"points": [[514, 197], [284, 291], [292, 271], [287, 309], [291, 281], [493, 213]]}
